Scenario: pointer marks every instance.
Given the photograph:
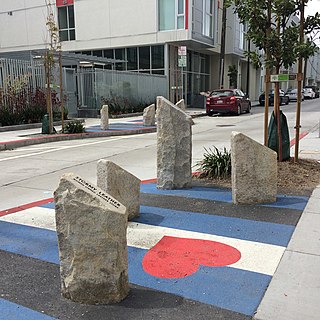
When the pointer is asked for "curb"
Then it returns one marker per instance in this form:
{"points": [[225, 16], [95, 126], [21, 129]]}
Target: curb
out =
{"points": [[64, 137]]}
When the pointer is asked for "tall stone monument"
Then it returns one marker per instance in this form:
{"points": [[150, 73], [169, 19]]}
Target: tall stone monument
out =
{"points": [[104, 117], [254, 171], [174, 146], [149, 115], [121, 185], [91, 228]]}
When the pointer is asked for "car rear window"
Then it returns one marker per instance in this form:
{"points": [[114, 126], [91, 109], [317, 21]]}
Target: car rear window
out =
{"points": [[221, 93]]}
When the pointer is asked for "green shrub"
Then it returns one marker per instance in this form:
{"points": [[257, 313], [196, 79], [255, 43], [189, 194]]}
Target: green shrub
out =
{"points": [[121, 105], [216, 164], [74, 126]]}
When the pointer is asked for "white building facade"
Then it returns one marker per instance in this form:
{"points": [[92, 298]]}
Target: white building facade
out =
{"points": [[142, 37]]}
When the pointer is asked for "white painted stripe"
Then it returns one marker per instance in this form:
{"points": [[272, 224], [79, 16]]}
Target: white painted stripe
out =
{"points": [[34, 217], [255, 256], [63, 148]]}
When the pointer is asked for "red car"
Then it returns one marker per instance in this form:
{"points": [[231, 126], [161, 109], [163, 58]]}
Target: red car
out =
{"points": [[227, 101]]}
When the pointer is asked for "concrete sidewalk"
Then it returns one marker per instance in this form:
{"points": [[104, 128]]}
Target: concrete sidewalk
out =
{"points": [[294, 291]]}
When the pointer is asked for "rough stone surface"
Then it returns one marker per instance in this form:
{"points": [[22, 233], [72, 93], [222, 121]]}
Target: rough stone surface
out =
{"points": [[174, 146], [149, 115], [121, 185], [104, 120], [254, 171], [181, 105], [91, 228]]}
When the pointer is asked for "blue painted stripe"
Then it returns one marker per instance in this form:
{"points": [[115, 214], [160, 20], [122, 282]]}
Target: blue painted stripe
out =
{"points": [[49, 205], [29, 241], [119, 127], [229, 288], [224, 195], [264, 232], [13, 311]]}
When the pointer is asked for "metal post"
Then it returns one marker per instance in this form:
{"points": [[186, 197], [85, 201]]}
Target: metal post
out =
{"points": [[61, 92], [300, 78]]}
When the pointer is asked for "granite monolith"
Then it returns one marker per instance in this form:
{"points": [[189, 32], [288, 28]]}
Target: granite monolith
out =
{"points": [[104, 117], [149, 114], [121, 185], [91, 228], [254, 171], [174, 146]]}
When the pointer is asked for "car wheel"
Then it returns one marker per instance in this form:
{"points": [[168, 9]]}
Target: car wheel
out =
{"points": [[287, 102], [210, 114], [239, 110], [249, 108]]}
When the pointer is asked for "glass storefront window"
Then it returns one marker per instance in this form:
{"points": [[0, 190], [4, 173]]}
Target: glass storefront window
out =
{"points": [[119, 54], [132, 59], [157, 56], [144, 58]]}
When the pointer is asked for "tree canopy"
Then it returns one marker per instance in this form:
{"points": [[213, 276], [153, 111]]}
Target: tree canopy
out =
{"points": [[273, 25]]}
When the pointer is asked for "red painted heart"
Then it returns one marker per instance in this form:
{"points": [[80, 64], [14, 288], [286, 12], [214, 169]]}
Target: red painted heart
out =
{"points": [[175, 257]]}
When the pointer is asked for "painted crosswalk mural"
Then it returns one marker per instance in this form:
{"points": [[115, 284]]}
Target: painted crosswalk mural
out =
{"points": [[223, 261]]}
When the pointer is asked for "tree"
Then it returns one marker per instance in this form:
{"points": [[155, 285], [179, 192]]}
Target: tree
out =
{"points": [[49, 61], [273, 26], [233, 76]]}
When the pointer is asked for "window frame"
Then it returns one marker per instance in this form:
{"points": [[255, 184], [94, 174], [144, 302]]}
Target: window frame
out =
{"points": [[177, 16], [212, 19], [67, 29]]}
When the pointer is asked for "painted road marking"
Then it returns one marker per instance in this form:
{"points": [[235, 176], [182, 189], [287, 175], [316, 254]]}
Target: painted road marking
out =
{"points": [[229, 288], [62, 148], [174, 257], [13, 311], [226, 287], [225, 195], [238, 287], [255, 256]]}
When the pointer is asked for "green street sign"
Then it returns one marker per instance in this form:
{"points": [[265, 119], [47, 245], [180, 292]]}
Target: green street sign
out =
{"points": [[182, 61], [282, 77]]}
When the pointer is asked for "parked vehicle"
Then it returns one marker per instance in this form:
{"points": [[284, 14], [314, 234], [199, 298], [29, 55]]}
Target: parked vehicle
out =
{"points": [[309, 93], [293, 94], [284, 98], [315, 89], [227, 101]]}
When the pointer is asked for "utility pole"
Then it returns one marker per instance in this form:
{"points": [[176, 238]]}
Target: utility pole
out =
{"points": [[223, 45], [248, 68]]}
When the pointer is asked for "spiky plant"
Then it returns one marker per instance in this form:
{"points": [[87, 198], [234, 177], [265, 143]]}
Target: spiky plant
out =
{"points": [[215, 164]]}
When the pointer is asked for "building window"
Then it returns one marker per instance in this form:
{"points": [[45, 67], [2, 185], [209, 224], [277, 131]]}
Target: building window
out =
{"points": [[242, 38], [132, 59], [208, 18], [171, 14], [66, 23], [144, 59], [119, 54]]}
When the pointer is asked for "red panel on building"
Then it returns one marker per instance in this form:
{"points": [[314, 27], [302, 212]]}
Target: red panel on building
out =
{"points": [[61, 3]]}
